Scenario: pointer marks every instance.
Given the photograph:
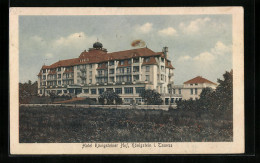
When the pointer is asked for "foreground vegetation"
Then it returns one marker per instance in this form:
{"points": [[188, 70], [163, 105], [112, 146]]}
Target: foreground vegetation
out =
{"points": [[70, 125]]}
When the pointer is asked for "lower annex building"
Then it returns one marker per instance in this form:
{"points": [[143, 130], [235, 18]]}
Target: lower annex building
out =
{"points": [[125, 72]]}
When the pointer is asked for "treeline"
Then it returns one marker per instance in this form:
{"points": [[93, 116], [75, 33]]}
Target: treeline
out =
{"points": [[220, 99], [26, 91]]}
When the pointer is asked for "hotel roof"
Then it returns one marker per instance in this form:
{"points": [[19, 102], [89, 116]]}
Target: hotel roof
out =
{"points": [[99, 56], [199, 79]]}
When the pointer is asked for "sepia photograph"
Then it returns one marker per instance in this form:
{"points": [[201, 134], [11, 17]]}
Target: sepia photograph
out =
{"points": [[126, 80]]}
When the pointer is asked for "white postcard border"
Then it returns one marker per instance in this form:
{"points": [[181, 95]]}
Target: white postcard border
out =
{"points": [[237, 146]]}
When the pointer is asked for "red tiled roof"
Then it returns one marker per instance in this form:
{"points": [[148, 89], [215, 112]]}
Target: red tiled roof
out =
{"points": [[52, 72], [40, 73], [103, 66], [68, 70], [126, 64], [99, 56], [168, 65], [151, 61], [198, 79], [62, 63]]}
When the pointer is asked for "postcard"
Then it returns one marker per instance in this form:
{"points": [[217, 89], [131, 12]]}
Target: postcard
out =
{"points": [[134, 80]]}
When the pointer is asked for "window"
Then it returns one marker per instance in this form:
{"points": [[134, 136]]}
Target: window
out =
{"points": [[136, 77], [78, 67], [191, 91], [191, 84], [196, 83], [147, 68], [139, 89], [90, 73], [100, 64], [136, 68], [121, 62], [59, 76], [40, 91], [162, 77], [59, 82], [93, 91], [90, 81], [64, 91], [59, 91], [162, 59], [59, 69], [128, 100], [100, 72], [128, 90], [100, 90], [86, 90], [129, 61], [121, 70], [129, 78], [109, 89], [136, 60], [111, 63], [90, 66], [147, 78], [179, 91], [196, 91], [118, 90], [44, 71], [162, 68], [128, 70], [173, 91], [44, 77], [147, 59], [111, 79]]}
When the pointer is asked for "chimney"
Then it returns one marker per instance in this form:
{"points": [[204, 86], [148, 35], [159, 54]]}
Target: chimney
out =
{"points": [[165, 52]]}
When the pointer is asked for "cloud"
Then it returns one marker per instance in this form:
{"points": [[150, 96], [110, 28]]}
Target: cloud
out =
{"points": [[204, 57], [75, 39], [145, 28], [167, 32], [194, 26], [221, 49], [185, 58]]}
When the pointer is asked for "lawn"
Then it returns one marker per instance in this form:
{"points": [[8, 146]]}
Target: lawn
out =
{"points": [[75, 125]]}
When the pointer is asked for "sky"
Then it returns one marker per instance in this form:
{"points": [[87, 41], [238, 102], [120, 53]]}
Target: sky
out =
{"points": [[199, 45]]}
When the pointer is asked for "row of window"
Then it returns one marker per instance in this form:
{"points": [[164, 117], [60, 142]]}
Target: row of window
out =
{"points": [[127, 90]]}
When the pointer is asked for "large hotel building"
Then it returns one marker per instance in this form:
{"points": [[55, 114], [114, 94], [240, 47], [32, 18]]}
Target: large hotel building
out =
{"points": [[125, 72]]}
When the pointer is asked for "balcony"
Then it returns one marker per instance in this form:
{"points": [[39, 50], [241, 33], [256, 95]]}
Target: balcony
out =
{"points": [[102, 75], [82, 76], [125, 73], [83, 70]]}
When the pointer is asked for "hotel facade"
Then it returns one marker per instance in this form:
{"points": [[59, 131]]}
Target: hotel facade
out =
{"points": [[125, 72], [95, 71]]}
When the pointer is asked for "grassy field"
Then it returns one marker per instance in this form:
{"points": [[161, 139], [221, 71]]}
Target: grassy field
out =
{"points": [[74, 125]]}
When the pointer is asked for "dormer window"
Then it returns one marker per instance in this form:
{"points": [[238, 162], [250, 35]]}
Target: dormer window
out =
{"points": [[111, 63], [147, 59], [136, 60], [162, 59]]}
